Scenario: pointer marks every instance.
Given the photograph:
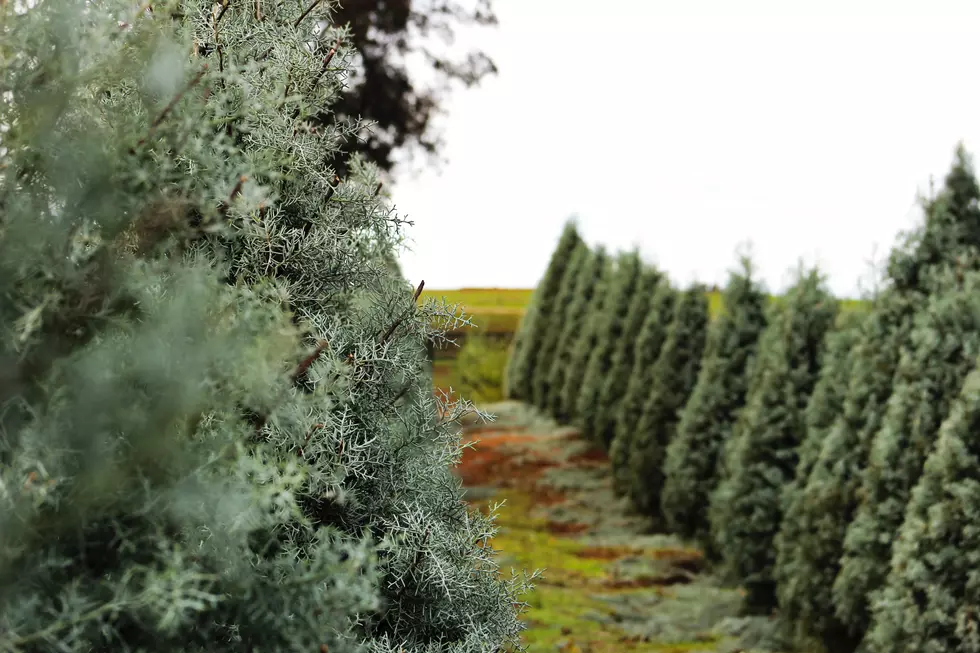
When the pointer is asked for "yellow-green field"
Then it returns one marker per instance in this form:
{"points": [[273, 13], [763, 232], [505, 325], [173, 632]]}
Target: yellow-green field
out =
{"points": [[498, 312], [492, 310]]}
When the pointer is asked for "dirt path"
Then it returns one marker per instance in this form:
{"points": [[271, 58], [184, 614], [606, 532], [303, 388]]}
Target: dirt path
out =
{"points": [[609, 584]]}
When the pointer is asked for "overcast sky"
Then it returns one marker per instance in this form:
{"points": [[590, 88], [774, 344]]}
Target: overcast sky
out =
{"points": [[685, 128]]}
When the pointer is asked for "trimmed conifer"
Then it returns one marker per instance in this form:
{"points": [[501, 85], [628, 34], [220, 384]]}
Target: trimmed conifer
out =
{"points": [[690, 467], [578, 337], [830, 493], [609, 328], [931, 593], [826, 403], [571, 286], [616, 380], [943, 348], [746, 508], [649, 342], [537, 320], [204, 470], [674, 375]]}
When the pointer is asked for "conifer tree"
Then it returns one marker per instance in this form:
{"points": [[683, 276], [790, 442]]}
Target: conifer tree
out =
{"points": [[617, 378], [585, 300], [719, 394], [537, 320], [761, 459], [578, 336], [570, 287], [215, 384], [649, 342], [674, 376], [831, 491], [609, 327], [928, 602], [943, 348], [825, 404]]}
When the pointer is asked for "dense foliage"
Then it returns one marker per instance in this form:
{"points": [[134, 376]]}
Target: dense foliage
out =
{"points": [[649, 342], [568, 353], [760, 461], [539, 319], [673, 378], [928, 600], [617, 379], [219, 433], [610, 325], [571, 285], [946, 239], [706, 421], [791, 542]]}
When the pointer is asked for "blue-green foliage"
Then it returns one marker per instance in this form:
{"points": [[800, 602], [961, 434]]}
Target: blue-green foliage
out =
{"points": [[587, 295], [947, 239], [943, 348], [709, 415], [761, 458], [218, 432], [541, 317], [610, 324], [649, 342], [572, 284], [673, 378], [791, 543], [616, 381]]}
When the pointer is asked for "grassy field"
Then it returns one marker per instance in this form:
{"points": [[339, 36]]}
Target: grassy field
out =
{"points": [[609, 584], [492, 310], [497, 312]]}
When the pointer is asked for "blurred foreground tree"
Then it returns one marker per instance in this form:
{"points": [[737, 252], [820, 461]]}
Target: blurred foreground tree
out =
{"points": [[218, 429]]}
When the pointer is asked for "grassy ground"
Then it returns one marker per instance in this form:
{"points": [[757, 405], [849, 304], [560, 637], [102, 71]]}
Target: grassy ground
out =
{"points": [[609, 583], [493, 310]]}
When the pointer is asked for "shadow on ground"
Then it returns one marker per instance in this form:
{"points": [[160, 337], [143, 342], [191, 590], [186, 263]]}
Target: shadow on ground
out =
{"points": [[609, 583]]}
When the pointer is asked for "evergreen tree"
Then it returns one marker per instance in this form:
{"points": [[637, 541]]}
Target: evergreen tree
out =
{"points": [[616, 380], [943, 348], [826, 403], [570, 287], [761, 459], [674, 376], [610, 324], [582, 341], [928, 602], [831, 491], [649, 342], [538, 319], [583, 303], [709, 415], [206, 471]]}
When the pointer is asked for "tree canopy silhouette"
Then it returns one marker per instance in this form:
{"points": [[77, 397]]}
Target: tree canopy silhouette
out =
{"points": [[380, 88]]}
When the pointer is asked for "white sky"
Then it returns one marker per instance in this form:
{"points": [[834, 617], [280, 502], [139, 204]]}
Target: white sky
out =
{"points": [[687, 127]]}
